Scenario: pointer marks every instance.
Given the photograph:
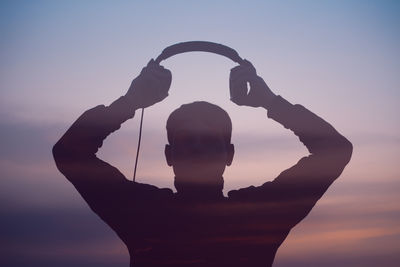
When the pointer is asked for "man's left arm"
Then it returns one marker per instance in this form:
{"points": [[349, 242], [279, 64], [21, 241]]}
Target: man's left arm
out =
{"points": [[296, 190]]}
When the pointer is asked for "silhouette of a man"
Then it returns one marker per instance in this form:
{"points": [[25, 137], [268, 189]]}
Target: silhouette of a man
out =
{"points": [[198, 225]]}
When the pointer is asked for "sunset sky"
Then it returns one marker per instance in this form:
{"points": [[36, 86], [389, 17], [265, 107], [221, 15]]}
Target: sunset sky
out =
{"points": [[339, 59]]}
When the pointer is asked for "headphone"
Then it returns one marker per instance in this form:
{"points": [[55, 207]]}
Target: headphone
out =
{"points": [[179, 48]]}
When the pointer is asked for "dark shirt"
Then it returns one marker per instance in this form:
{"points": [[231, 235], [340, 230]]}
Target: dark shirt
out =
{"points": [[162, 228]]}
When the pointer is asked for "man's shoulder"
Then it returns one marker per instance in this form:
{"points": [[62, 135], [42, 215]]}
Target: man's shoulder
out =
{"points": [[250, 193], [148, 191]]}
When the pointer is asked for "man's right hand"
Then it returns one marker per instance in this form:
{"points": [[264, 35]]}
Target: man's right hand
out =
{"points": [[150, 87]]}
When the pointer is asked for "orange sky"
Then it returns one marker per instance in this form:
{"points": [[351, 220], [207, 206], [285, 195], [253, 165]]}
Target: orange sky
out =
{"points": [[340, 60]]}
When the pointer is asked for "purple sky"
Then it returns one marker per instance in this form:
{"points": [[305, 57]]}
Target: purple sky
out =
{"points": [[340, 59]]}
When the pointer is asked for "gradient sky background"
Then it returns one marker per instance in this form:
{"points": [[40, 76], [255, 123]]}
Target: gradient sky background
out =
{"points": [[340, 59]]}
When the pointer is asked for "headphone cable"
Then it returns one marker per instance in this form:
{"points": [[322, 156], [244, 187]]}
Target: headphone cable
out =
{"points": [[138, 146]]}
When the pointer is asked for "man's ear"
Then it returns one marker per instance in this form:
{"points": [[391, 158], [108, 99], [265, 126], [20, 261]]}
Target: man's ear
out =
{"points": [[230, 153], [168, 154]]}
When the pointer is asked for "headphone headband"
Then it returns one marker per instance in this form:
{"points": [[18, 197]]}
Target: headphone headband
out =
{"points": [[202, 46], [184, 47]]}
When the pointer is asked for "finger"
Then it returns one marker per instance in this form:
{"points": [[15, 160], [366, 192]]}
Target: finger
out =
{"points": [[237, 70], [153, 86], [161, 90], [161, 73], [249, 65], [154, 67], [149, 67], [257, 82], [238, 101], [164, 79], [161, 80], [243, 77], [161, 66], [240, 71], [246, 66], [164, 87], [234, 69], [152, 63]]}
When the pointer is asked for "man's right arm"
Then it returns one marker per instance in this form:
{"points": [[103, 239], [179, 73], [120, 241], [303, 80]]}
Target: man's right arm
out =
{"points": [[75, 153], [103, 186]]}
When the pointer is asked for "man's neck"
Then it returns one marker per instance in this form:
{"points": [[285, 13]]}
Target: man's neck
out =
{"points": [[199, 192]]}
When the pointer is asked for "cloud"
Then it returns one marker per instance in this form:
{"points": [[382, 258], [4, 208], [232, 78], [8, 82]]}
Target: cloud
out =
{"points": [[58, 237], [347, 228], [47, 222]]}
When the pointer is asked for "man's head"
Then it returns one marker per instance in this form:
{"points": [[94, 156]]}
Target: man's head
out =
{"points": [[199, 149]]}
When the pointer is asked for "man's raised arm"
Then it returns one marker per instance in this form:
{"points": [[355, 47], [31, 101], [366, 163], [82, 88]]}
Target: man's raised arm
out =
{"points": [[100, 184], [296, 190]]}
